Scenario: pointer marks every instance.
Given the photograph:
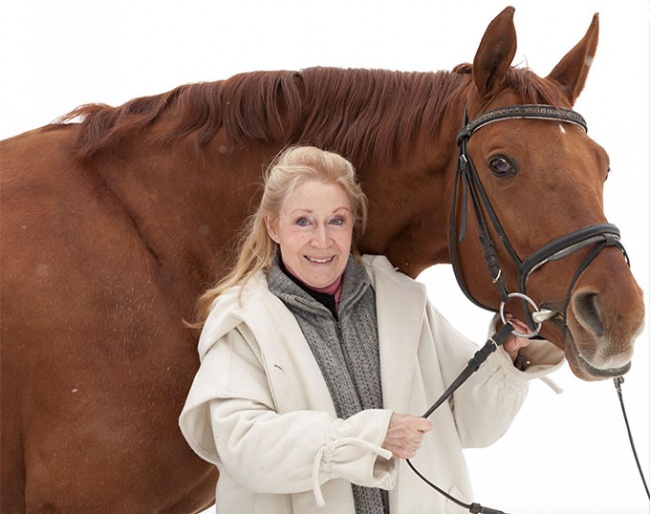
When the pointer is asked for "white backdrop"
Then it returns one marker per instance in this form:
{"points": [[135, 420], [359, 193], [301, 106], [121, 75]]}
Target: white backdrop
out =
{"points": [[565, 453]]}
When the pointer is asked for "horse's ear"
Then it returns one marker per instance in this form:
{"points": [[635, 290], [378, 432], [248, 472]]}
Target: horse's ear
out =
{"points": [[571, 72], [495, 53]]}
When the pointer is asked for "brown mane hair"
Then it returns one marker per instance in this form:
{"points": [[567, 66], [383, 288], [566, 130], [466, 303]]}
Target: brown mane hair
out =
{"points": [[358, 113]]}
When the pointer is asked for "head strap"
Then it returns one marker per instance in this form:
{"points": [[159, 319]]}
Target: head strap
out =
{"points": [[596, 236], [519, 112]]}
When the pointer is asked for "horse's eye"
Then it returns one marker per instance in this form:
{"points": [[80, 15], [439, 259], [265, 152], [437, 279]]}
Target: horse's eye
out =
{"points": [[502, 167], [607, 174]]}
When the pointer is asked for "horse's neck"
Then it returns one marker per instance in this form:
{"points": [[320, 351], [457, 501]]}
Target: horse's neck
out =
{"points": [[186, 205], [195, 200], [409, 210], [410, 201]]}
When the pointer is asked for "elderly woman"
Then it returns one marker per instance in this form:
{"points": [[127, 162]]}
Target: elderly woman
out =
{"points": [[317, 364]]}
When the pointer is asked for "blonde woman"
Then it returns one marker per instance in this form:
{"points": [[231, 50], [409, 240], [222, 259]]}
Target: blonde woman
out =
{"points": [[315, 363]]}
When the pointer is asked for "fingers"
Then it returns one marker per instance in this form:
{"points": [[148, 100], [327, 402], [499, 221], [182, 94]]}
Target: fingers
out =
{"points": [[513, 343], [518, 325], [405, 434]]}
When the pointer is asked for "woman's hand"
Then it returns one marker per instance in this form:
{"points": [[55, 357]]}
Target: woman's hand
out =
{"points": [[404, 435], [513, 343]]}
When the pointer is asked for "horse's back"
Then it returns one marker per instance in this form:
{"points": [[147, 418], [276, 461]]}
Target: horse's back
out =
{"points": [[95, 359]]}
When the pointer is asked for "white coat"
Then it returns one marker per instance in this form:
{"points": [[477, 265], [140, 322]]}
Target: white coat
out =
{"points": [[260, 410]]}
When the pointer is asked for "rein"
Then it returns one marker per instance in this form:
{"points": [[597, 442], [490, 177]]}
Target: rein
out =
{"points": [[597, 236]]}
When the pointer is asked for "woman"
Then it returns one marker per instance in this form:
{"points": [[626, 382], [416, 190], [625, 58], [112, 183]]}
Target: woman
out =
{"points": [[316, 365]]}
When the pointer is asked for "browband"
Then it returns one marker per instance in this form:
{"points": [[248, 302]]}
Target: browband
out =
{"points": [[517, 112]]}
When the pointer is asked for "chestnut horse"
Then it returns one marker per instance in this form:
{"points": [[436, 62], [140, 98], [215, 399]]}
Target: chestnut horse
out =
{"points": [[112, 226]]}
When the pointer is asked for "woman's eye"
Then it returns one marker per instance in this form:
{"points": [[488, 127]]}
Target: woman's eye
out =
{"points": [[338, 221], [302, 222], [502, 167]]}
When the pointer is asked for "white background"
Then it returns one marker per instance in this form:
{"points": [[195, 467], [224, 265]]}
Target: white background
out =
{"points": [[565, 453]]}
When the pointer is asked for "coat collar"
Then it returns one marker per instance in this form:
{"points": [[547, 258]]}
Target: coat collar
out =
{"points": [[401, 309]]}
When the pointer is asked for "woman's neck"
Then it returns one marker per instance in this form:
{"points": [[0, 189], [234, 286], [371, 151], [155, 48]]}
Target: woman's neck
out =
{"points": [[334, 289]]}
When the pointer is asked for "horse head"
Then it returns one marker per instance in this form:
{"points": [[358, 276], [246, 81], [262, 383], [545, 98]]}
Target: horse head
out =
{"points": [[540, 186]]}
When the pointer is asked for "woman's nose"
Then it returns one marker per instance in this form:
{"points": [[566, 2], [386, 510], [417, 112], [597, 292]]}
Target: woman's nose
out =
{"points": [[321, 236]]}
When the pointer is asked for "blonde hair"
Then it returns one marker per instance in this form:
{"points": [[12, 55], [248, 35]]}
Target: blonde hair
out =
{"points": [[289, 169]]}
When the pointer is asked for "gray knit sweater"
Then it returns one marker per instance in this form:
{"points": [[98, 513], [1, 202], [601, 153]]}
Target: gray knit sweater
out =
{"points": [[346, 349]]}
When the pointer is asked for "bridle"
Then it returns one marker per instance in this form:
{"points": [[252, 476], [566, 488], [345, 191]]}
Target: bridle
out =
{"points": [[598, 236]]}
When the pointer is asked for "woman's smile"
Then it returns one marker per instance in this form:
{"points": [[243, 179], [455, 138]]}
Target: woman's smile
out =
{"points": [[321, 260], [314, 231]]}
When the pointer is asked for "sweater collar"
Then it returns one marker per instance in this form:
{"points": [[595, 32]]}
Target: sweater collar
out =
{"points": [[355, 282]]}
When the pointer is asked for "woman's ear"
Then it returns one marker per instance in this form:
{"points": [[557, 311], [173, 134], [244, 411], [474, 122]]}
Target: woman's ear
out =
{"points": [[270, 228]]}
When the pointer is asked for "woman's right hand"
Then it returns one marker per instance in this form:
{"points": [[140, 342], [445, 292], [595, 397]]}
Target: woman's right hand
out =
{"points": [[404, 435]]}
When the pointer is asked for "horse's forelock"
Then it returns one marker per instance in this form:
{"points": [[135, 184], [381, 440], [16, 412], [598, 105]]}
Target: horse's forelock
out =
{"points": [[532, 89]]}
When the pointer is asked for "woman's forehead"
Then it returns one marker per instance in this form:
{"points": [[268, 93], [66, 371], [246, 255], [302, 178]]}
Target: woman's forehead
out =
{"points": [[312, 196]]}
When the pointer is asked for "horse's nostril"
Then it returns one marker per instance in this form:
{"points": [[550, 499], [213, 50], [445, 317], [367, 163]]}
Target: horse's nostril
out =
{"points": [[587, 310]]}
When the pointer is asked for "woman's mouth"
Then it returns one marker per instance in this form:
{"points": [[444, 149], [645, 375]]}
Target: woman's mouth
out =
{"points": [[319, 260]]}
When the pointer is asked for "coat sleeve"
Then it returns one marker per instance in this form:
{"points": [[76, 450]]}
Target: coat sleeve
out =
{"points": [[487, 403], [230, 420]]}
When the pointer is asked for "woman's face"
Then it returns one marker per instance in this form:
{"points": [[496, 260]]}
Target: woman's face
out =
{"points": [[314, 231]]}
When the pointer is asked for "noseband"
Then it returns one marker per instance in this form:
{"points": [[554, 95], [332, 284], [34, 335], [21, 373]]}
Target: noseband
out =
{"points": [[598, 236]]}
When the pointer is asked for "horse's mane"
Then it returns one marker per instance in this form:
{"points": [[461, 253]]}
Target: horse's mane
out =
{"points": [[356, 112]]}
